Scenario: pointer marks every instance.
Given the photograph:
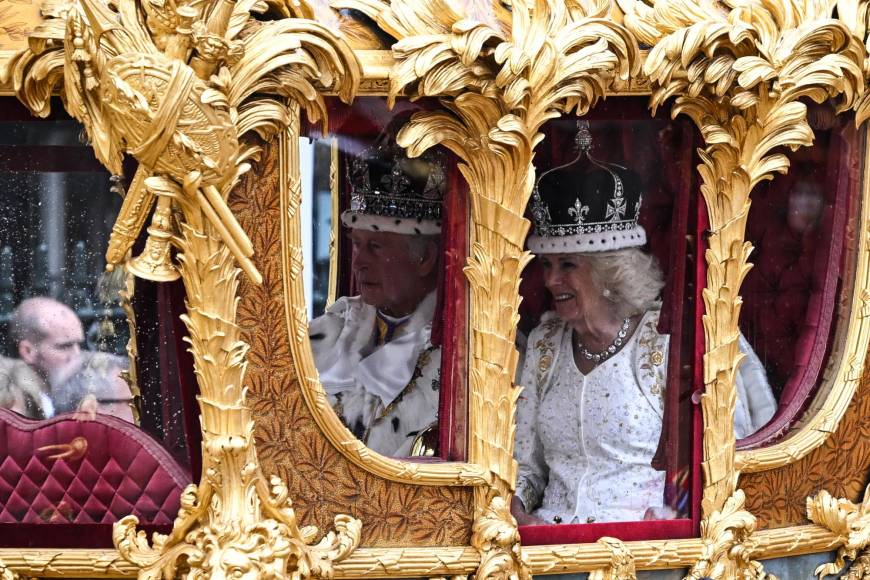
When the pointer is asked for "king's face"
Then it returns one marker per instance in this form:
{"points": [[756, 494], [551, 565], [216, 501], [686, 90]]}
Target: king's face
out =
{"points": [[385, 273]]}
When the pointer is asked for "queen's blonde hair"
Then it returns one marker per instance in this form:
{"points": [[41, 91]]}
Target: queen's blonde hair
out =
{"points": [[630, 278]]}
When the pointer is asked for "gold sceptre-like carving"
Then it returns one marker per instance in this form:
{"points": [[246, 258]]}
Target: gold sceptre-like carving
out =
{"points": [[500, 75], [234, 522], [155, 261], [739, 71], [182, 85]]}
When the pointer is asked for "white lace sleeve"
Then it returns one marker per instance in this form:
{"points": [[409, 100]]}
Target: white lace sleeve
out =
{"points": [[529, 452], [755, 401]]}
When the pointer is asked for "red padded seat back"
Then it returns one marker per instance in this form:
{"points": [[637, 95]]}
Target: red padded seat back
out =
{"points": [[112, 469]]}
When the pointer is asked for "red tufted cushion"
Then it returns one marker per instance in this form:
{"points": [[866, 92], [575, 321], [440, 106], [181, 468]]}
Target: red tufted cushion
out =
{"points": [[121, 471]]}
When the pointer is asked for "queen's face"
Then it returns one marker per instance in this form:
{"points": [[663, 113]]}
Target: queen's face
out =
{"points": [[568, 277]]}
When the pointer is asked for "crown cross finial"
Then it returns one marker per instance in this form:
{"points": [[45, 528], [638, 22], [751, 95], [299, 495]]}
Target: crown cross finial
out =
{"points": [[583, 138]]}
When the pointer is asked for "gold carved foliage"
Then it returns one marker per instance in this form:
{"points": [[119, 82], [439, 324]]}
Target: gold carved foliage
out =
{"points": [[183, 87], [496, 536], [321, 479], [725, 550], [499, 75], [621, 562], [7, 574], [739, 70], [851, 523]]}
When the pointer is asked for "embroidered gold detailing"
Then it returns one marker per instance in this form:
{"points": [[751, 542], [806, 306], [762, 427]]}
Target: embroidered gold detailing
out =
{"points": [[546, 348], [180, 86], [651, 347], [621, 562], [851, 524]]}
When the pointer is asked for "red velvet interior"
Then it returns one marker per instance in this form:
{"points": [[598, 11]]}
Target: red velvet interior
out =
{"points": [[588, 533], [123, 471], [791, 293]]}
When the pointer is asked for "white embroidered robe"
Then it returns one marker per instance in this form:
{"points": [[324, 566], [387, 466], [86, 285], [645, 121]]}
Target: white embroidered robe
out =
{"points": [[385, 394], [585, 442]]}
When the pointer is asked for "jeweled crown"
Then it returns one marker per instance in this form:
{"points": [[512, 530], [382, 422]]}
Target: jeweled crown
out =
{"points": [[592, 206], [385, 182]]}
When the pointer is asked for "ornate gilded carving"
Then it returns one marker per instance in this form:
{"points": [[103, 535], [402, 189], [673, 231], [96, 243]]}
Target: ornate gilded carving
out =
{"points": [[849, 521], [860, 568], [179, 92], [621, 562], [155, 261], [234, 520], [496, 537], [725, 552], [178, 86], [499, 76], [451, 561], [738, 71], [6, 573]]}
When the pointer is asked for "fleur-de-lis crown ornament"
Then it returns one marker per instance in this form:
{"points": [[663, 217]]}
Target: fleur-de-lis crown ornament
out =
{"points": [[586, 205]]}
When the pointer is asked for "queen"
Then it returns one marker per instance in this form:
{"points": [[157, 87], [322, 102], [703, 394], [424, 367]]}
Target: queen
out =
{"points": [[591, 412]]}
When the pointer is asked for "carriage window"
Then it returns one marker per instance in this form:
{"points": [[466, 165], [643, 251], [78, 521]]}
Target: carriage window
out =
{"points": [[605, 421], [70, 399], [386, 236], [802, 260]]}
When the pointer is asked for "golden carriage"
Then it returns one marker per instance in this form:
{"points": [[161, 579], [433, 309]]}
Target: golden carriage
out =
{"points": [[209, 109]]}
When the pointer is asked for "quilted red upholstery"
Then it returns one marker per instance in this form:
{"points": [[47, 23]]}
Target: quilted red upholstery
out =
{"points": [[122, 471]]}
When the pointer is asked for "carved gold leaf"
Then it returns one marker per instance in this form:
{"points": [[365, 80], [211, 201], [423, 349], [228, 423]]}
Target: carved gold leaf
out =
{"points": [[499, 75], [621, 562], [739, 70], [849, 521], [182, 86]]}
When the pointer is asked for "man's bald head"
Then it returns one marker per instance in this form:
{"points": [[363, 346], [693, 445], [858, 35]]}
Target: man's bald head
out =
{"points": [[48, 334]]}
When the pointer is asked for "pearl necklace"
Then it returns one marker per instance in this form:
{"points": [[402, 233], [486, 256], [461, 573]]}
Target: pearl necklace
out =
{"points": [[607, 352]]}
